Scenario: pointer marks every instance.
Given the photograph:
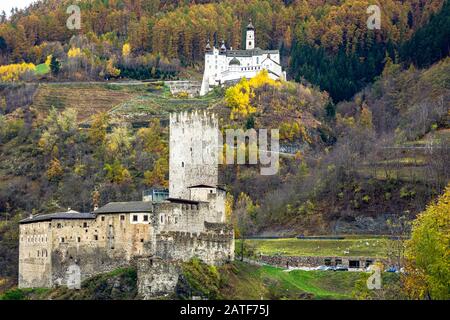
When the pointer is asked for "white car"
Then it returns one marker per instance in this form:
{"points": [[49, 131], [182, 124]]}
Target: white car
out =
{"points": [[324, 268]]}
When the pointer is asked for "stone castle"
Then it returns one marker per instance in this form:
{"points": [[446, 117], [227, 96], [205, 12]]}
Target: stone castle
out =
{"points": [[154, 234], [224, 65]]}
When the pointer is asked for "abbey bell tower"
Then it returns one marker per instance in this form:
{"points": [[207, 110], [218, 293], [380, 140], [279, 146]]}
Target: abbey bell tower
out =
{"points": [[250, 37]]}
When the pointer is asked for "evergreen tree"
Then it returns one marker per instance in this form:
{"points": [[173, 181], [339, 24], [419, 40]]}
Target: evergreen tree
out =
{"points": [[55, 66]]}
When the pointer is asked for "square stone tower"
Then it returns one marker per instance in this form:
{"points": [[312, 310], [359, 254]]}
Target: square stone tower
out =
{"points": [[193, 158]]}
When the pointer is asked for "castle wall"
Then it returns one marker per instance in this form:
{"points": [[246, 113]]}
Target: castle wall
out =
{"points": [[35, 265], [181, 216], [101, 245], [212, 246], [156, 277]]}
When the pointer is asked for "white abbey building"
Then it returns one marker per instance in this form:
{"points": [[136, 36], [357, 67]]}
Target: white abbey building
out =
{"points": [[223, 65]]}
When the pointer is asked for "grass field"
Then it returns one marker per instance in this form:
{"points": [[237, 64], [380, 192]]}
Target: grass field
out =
{"points": [[159, 102], [87, 99], [253, 282], [373, 247], [136, 102]]}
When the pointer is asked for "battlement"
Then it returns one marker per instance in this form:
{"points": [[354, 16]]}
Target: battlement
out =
{"points": [[189, 118]]}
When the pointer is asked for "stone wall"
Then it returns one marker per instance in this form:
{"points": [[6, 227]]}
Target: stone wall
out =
{"points": [[49, 248], [213, 247], [35, 248], [192, 88], [156, 277], [311, 261]]}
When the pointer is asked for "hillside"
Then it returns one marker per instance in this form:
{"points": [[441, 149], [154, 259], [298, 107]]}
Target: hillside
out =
{"points": [[364, 124], [346, 172], [236, 281], [323, 42]]}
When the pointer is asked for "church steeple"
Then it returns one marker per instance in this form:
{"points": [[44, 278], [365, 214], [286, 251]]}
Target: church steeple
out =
{"points": [[208, 46], [250, 36], [223, 48]]}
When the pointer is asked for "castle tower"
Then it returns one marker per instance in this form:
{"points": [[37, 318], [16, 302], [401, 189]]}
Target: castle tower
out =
{"points": [[193, 158], [250, 36]]}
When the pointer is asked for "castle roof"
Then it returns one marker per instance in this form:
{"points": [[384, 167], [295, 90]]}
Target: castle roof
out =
{"points": [[126, 207], [69, 215]]}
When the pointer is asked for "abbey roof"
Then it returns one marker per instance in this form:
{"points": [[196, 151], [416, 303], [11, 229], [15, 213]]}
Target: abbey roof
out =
{"points": [[250, 53]]}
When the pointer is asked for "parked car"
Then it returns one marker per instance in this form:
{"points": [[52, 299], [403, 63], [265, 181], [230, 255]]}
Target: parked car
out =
{"points": [[391, 269], [325, 268], [340, 267]]}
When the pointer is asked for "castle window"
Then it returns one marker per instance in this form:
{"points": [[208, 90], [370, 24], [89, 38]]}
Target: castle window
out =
{"points": [[135, 218], [58, 225], [103, 218], [85, 225], [176, 219], [95, 237], [122, 217], [146, 218], [62, 240], [162, 219], [38, 253], [142, 240], [182, 164], [78, 239]]}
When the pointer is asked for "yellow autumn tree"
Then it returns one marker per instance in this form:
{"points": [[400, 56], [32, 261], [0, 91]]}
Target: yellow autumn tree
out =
{"points": [[117, 173], [48, 61], [54, 170], [157, 176], [97, 131], [428, 252], [229, 200], [126, 49], [239, 96], [119, 141], [74, 52], [13, 72], [112, 71]]}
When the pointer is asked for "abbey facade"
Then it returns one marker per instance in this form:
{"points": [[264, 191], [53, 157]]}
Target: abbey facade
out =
{"points": [[155, 234], [223, 65]]}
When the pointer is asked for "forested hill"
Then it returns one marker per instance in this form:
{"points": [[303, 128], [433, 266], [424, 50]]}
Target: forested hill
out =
{"points": [[325, 42]]}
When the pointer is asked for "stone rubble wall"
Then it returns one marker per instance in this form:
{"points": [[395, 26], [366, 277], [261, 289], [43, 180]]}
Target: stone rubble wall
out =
{"points": [[192, 88], [311, 261], [156, 277], [211, 247]]}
